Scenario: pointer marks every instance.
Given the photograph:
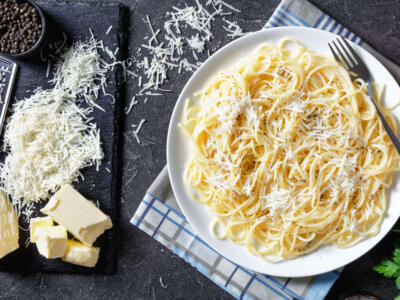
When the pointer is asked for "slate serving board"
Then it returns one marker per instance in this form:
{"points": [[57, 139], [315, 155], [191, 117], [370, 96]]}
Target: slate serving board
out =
{"points": [[75, 19]]}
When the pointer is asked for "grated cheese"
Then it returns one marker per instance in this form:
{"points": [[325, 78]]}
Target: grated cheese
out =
{"points": [[137, 129], [153, 33], [277, 201], [109, 29], [82, 72], [165, 49], [196, 43], [131, 105], [164, 286], [61, 137], [233, 29]]}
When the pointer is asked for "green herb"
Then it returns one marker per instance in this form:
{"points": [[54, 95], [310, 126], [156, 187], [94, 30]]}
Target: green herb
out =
{"points": [[391, 267]]}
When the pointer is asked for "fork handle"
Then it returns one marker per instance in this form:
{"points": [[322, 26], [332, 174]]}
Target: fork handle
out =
{"points": [[389, 130]]}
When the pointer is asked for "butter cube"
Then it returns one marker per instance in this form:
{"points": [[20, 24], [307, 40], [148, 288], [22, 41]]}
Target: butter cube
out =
{"points": [[84, 220], [79, 254], [51, 241], [39, 222]]}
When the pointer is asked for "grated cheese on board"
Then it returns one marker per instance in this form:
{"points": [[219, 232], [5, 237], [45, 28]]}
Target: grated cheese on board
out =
{"points": [[50, 136]]}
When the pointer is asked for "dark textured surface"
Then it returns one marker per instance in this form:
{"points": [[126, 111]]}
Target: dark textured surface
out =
{"points": [[141, 260], [99, 186]]}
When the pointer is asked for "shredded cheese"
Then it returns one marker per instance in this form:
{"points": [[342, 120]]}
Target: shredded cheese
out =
{"points": [[109, 29], [137, 129], [50, 135], [233, 29], [131, 105], [164, 50]]}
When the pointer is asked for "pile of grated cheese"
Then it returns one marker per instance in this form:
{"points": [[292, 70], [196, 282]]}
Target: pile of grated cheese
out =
{"points": [[50, 135]]}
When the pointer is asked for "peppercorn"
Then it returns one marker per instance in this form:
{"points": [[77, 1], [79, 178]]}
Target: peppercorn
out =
{"points": [[20, 26]]}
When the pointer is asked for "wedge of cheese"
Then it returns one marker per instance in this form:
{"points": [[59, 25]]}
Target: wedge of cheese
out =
{"points": [[79, 254], [51, 241], [9, 232], [84, 220], [38, 223]]}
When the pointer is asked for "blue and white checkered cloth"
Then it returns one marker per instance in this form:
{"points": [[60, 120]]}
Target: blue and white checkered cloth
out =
{"points": [[160, 217]]}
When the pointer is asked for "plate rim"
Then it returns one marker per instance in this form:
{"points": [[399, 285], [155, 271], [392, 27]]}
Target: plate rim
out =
{"points": [[170, 149]]}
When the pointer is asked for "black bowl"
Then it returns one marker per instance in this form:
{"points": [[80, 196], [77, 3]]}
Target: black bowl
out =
{"points": [[40, 42]]}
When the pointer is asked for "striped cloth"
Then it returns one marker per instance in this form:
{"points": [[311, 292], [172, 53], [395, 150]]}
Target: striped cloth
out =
{"points": [[160, 217]]}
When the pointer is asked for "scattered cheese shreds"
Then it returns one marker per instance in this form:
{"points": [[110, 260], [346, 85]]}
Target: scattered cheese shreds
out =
{"points": [[109, 29], [196, 43], [137, 129], [131, 105], [233, 29], [165, 49]]}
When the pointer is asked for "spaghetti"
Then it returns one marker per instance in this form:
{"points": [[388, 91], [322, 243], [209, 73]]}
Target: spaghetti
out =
{"points": [[289, 154]]}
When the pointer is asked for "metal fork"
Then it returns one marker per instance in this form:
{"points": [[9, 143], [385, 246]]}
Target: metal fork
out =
{"points": [[355, 65]]}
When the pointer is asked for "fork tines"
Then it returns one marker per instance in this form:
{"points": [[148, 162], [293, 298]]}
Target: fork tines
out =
{"points": [[342, 54], [345, 54]]}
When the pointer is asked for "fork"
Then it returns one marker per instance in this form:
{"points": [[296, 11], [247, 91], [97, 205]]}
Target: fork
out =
{"points": [[355, 65]]}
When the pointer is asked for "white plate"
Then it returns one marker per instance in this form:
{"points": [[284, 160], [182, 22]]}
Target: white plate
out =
{"points": [[322, 260]]}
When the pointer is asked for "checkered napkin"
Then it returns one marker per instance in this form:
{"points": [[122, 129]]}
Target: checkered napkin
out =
{"points": [[160, 217]]}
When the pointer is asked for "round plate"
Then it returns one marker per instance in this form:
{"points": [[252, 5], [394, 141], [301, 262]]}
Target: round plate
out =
{"points": [[322, 260]]}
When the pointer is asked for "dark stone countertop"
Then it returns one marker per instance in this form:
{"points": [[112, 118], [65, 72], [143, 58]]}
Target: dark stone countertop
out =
{"points": [[142, 261]]}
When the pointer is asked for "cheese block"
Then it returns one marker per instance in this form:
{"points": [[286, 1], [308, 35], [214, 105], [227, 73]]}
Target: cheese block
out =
{"points": [[79, 254], [84, 220], [37, 223], [9, 232], [51, 241]]}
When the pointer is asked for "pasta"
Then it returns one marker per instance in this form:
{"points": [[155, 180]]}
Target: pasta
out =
{"points": [[288, 153]]}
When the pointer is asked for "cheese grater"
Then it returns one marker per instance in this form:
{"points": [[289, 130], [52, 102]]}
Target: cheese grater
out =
{"points": [[8, 74]]}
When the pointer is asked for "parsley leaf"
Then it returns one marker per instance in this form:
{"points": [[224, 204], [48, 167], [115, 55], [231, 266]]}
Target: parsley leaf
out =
{"points": [[396, 256], [387, 268], [391, 267]]}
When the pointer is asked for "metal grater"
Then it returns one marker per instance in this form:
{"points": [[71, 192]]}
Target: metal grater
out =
{"points": [[8, 74]]}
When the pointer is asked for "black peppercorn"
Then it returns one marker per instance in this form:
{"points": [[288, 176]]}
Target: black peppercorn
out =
{"points": [[20, 26]]}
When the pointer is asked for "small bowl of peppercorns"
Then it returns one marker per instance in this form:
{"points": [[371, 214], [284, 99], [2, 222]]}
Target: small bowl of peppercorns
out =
{"points": [[22, 28]]}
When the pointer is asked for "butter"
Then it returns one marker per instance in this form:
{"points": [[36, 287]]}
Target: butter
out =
{"points": [[84, 220], [37, 223], [79, 254], [51, 241]]}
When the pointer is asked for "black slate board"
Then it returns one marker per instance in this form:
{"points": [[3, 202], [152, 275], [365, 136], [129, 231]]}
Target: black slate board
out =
{"points": [[103, 186]]}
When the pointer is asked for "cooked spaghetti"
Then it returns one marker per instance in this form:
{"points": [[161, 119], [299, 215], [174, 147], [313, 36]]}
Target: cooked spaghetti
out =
{"points": [[289, 153]]}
